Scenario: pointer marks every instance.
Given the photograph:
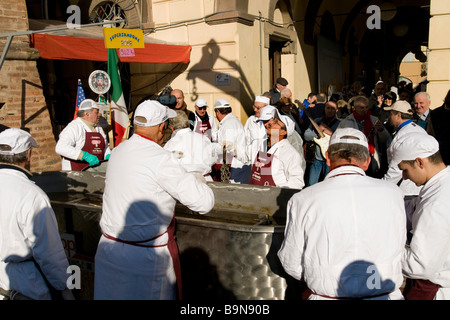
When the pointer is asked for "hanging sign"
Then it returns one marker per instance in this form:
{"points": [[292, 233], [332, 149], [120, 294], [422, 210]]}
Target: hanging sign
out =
{"points": [[123, 38], [99, 82], [127, 52]]}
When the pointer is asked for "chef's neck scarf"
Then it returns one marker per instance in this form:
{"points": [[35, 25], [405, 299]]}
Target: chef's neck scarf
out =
{"points": [[203, 118]]}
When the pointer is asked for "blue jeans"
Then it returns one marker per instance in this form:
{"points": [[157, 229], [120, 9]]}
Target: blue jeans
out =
{"points": [[317, 171]]}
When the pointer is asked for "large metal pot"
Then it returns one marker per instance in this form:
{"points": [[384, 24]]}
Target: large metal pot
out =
{"points": [[229, 253]]}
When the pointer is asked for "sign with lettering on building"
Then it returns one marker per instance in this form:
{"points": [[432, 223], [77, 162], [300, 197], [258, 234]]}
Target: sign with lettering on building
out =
{"points": [[126, 52], [123, 38], [223, 79]]}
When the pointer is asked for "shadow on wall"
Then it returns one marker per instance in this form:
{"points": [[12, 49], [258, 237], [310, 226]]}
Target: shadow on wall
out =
{"points": [[210, 55]]}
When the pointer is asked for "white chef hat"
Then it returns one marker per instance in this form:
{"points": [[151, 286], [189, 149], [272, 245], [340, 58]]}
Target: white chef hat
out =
{"points": [[269, 112], [16, 140], [289, 123], [154, 113], [412, 146], [262, 99]]}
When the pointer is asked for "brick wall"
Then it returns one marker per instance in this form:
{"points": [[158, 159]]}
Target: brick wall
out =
{"points": [[21, 88]]}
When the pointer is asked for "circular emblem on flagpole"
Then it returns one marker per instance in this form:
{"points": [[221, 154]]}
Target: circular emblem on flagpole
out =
{"points": [[99, 82]]}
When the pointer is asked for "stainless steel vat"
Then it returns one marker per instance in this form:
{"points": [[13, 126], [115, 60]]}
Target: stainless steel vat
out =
{"points": [[228, 254]]}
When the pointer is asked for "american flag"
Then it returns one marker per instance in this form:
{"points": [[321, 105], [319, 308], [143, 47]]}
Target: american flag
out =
{"points": [[80, 98]]}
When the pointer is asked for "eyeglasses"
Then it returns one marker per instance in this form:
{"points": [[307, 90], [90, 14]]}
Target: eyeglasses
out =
{"points": [[201, 108]]}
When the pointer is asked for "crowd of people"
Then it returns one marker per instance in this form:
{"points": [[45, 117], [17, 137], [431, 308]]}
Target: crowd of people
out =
{"points": [[371, 167]]}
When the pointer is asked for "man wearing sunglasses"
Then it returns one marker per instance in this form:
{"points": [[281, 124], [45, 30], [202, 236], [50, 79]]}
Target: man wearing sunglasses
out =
{"points": [[203, 122]]}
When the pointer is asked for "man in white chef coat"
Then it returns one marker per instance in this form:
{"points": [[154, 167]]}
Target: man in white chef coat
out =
{"points": [[400, 117], [340, 239], [231, 135], [201, 121], [137, 257], [281, 165], [31, 251], [255, 132], [83, 142], [426, 260], [192, 149]]}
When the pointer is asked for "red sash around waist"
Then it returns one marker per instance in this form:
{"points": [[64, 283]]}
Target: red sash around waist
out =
{"points": [[418, 289], [172, 246]]}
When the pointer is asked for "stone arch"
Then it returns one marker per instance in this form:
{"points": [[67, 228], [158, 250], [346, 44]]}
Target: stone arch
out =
{"points": [[310, 20], [130, 7], [285, 10], [327, 26]]}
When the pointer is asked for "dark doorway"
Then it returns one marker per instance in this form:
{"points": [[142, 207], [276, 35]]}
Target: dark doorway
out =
{"points": [[275, 59]]}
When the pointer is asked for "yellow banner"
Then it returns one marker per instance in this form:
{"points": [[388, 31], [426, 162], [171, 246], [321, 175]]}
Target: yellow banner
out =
{"points": [[123, 38]]}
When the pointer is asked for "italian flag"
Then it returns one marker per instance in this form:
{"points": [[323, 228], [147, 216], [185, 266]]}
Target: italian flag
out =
{"points": [[119, 113]]}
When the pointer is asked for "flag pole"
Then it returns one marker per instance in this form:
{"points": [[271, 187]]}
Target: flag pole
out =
{"points": [[111, 130]]}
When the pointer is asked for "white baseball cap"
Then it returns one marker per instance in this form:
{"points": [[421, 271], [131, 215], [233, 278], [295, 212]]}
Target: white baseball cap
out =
{"points": [[267, 113], [400, 106], [154, 113], [412, 146], [88, 104], [262, 99], [221, 103], [349, 135], [17, 140], [201, 103]]}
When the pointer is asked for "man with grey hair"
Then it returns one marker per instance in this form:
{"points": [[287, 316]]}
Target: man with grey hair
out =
{"points": [[193, 150], [31, 254], [83, 142], [422, 103], [287, 107], [343, 242], [377, 135]]}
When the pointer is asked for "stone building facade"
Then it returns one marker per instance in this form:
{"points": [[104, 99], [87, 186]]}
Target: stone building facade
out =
{"points": [[238, 48], [21, 88]]}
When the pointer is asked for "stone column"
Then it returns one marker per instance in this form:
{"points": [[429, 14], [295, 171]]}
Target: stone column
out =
{"points": [[439, 55]]}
